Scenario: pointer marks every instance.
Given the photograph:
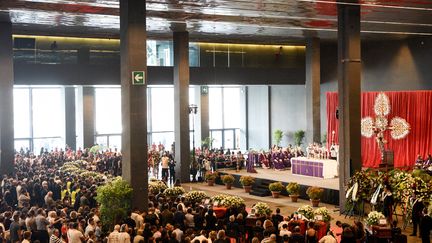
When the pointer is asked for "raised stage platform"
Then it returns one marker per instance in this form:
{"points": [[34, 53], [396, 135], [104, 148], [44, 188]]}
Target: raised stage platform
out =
{"points": [[267, 176]]}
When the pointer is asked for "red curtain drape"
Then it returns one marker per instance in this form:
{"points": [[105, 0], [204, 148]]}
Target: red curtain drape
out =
{"points": [[414, 106]]}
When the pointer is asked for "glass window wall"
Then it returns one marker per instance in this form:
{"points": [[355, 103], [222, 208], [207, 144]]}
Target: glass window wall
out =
{"points": [[225, 116], [39, 118]]}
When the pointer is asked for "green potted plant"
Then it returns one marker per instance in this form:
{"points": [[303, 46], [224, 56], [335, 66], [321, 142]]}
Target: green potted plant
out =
{"points": [[315, 194], [211, 177], [277, 135], [298, 137], [247, 182], [207, 143], [228, 180], [293, 190], [114, 199], [276, 188]]}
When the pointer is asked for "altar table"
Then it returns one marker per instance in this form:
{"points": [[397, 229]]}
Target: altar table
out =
{"points": [[321, 168]]}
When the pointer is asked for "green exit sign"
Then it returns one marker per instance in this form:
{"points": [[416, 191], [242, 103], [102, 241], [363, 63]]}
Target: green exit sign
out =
{"points": [[204, 90], [138, 77]]}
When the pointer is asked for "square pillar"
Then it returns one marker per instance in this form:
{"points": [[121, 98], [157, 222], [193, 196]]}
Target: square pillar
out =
{"points": [[6, 99], [204, 112], [89, 116], [313, 80], [70, 117], [349, 88], [181, 105], [133, 58]]}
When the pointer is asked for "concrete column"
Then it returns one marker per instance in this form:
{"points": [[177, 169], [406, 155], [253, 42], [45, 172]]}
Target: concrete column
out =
{"points": [[349, 88], [204, 114], [313, 79], [181, 104], [70, 117], [6, 99], [133, 54], [89, 116]]}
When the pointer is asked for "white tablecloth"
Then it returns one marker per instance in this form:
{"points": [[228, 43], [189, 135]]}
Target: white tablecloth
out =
{"points": [[322, 168]]}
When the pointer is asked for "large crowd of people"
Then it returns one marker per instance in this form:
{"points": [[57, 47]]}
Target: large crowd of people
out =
{"points": [[41, 203]]}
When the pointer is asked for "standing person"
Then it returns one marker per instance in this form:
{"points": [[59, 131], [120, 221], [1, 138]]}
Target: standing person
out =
{"points": [[172, 165], [74, 235], [42, 226], [416, 214], [387, 198], [165, 166], [425, 226], [14, 229]]}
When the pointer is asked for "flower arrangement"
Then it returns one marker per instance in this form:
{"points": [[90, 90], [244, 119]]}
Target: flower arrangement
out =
{"points": [[367, 182], [247, 180], [374, 217], [195, 196], [211, 175], [156, 186], [174, 191], [227, 179], [293, 188], [314, 193], [219, 197], [307, 211], [276, 187], [324, 212], [91, 174], [262, 208], [228, 201], [72, 167]]}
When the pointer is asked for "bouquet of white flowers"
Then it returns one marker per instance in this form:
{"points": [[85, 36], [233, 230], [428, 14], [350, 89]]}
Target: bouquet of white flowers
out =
{"points": [[174, 191], [74, 167], [233, 201], [307, 211], [262, 208], [195, 196], [324, 212], [219, 198], [374, 217], [156, 186], [93, 174]]}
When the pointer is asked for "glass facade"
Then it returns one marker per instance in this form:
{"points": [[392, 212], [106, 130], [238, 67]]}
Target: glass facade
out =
{"points": [[224, 116], [108, 117], [39, 118]]}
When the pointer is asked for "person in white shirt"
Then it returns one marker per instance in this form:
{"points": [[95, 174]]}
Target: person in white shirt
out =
{"points": [[139, 237], [329, 238], [91, 226], [113, 237], [74, 235], [189, 219], [285, 221], [201, 237], [165, 166], [124, 236], [284, 231], [179, 233]]}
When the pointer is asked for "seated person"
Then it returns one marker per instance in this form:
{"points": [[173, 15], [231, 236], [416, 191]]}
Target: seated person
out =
{"points": [[296, 236]]}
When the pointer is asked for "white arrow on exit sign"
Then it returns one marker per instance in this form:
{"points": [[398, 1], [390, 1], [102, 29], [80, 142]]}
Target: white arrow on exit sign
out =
{"points": [[138, 77]]}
